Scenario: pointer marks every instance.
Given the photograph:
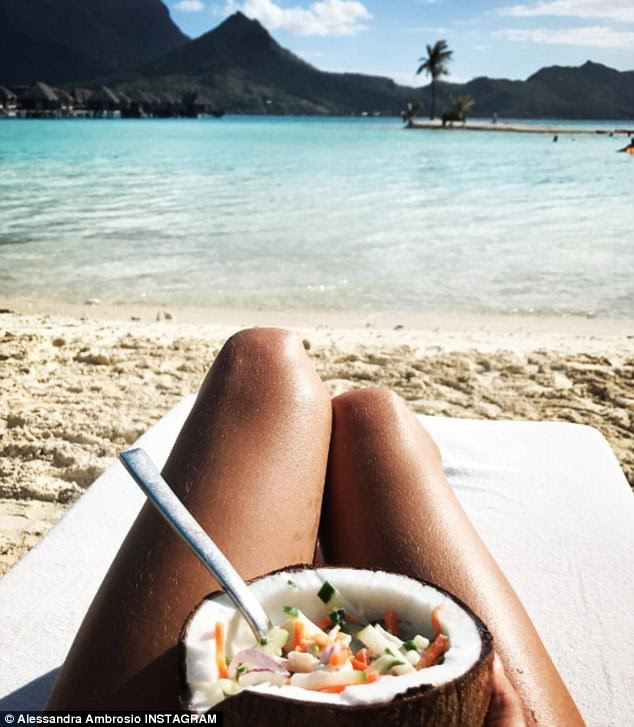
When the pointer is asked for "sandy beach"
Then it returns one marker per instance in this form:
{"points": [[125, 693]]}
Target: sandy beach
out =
{"points": [[79, 383]]}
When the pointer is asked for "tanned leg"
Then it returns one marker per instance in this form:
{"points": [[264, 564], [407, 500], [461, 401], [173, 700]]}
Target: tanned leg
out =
{"points": [[250, 465], [386, 486]]}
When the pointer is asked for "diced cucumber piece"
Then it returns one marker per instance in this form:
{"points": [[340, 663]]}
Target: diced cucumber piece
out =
{"points": [[412, 656], [421, 642], [326, 592], [409, 645], [337, 617], [274, 641], [377, 644], [390, 637], [384, 663], [291, 611], [401, 669]]}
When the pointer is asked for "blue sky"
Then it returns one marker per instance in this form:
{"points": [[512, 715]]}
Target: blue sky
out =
{"points": [[498, 39]]}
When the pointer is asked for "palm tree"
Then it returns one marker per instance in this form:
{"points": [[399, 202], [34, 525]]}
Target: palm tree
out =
{"points": [[435, 64], [409, 114], [462, 105]]}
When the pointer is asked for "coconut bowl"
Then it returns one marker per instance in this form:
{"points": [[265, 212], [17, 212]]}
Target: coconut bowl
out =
{"points": [[453, 692]]}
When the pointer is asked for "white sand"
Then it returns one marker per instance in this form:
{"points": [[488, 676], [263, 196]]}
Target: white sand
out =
{"points": [[80, 383]]}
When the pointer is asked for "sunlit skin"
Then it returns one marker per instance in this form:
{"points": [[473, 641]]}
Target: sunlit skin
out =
{"points": [[251, 462]]}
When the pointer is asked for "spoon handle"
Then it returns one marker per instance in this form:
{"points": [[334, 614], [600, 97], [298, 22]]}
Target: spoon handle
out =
{"points": [[149, 479]]}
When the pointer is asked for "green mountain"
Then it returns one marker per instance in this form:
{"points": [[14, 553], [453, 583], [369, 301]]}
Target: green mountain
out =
{"points": [[67, 40], [243, 70], [134, 45], [585, 92], [241, 67]]}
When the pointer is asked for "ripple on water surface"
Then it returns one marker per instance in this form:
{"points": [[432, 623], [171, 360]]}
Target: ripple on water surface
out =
{"points": [[335, 213]]}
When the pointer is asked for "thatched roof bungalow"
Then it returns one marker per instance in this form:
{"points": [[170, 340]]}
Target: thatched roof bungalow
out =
{"points": [[8, 99], [141, 103], [103, 101], [167, 105], [40, 98], [67, 102], [197, 104], [81, 97]]}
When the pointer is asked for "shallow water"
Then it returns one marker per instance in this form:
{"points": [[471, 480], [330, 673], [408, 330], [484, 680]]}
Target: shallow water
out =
{"points": [[319, 213]]}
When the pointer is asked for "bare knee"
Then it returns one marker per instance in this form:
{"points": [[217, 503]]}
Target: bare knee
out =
{"points": [[378, 413], [273, 346], [264, 364], [258, 353]]}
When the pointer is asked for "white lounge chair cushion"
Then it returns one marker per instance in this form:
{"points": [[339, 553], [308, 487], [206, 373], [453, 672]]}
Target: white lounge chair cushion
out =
{"points": [[549, 499]]}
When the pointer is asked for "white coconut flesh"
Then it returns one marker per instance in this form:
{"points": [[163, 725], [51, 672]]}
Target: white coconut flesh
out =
{"points": [[369, 594]]}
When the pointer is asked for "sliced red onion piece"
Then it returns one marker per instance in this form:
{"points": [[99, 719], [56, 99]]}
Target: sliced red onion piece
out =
{"points": [[326, 654], [254, 658]]}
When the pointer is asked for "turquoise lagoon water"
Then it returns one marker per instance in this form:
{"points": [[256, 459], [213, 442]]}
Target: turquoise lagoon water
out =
{"points": [[319, 213]]}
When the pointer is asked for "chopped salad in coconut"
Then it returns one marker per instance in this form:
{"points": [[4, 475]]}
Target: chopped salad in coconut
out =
{"points": [[338, 638]]}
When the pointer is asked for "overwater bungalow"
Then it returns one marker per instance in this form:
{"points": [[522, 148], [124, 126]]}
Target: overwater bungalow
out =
{"points": [[8, 102], [66, 100], [167, 105], [81, 97], [104, 102], [140, 104], [40, 100], [197, 104], [43, 101]]}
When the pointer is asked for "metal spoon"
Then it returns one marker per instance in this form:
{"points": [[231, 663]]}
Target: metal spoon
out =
{"points": [[149, 479]]}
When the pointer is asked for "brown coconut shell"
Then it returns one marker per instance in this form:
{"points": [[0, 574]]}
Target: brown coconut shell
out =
{"points": [[462, 702]]}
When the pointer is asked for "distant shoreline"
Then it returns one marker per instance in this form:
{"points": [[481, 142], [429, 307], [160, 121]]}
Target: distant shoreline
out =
{"points": [[551, 328], [437, 125], [521, 125]]}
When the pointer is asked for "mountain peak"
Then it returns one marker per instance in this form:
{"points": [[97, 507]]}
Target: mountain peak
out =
{"points": [[240, 25]]}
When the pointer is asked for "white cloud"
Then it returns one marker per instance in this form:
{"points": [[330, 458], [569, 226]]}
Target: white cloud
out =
{"points": [[620, 10], [427, 29], [190, 6], [594, 36], [324, 17]]}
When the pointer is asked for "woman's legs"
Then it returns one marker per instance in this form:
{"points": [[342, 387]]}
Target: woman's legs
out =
{"points": [[388, 505], [250, 465]]}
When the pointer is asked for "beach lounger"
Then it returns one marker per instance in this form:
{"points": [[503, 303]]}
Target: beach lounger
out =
{"points": [[549, 499]]}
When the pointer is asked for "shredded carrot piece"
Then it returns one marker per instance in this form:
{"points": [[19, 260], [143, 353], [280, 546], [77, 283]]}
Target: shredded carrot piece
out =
{"points": [[339, 657], [391, 621], [361, 660], [298, 633], [333, 690], [350, 619], [372, 676], [435, 620], [433, 652], [221, 662], [325, 624]]}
